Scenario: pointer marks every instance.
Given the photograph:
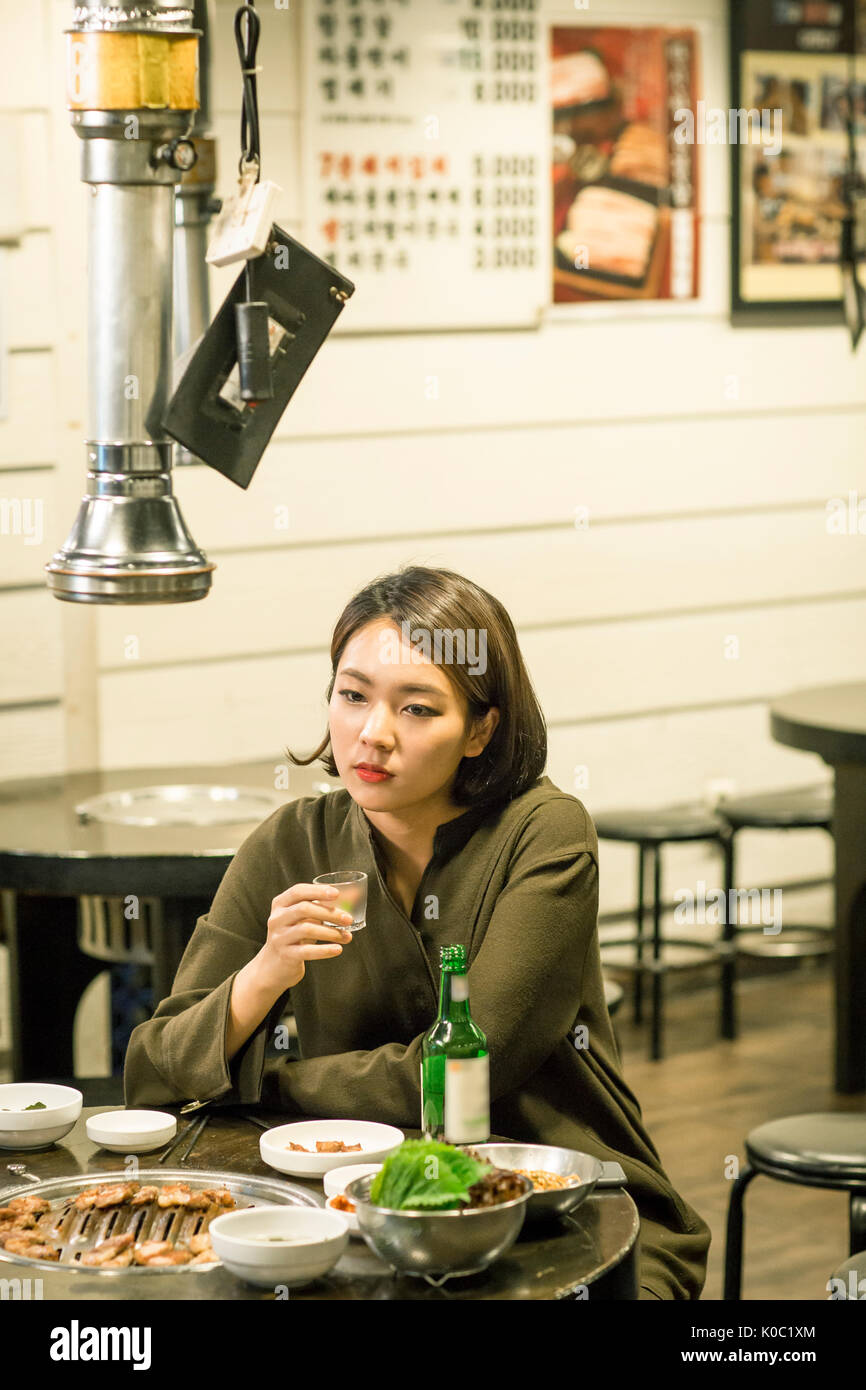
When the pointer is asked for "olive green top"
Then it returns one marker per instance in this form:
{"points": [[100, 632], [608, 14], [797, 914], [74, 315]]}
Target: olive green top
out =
{"points": [[518, 886]]}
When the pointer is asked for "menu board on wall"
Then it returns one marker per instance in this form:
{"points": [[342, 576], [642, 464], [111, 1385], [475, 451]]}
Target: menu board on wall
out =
{"points": [[427, 146]]}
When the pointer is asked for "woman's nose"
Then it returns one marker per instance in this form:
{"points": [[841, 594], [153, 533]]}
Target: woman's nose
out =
{"points": [[377, 727]]}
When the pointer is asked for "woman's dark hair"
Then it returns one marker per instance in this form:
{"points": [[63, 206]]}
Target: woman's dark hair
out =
{"points": [[434, 600]]}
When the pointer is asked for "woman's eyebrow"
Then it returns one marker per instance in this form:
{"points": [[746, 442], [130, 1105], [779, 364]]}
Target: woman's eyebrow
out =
{"points": [[406, 689]]}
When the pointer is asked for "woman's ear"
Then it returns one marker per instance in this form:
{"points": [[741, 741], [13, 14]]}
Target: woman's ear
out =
{"points": [[483, 730]]}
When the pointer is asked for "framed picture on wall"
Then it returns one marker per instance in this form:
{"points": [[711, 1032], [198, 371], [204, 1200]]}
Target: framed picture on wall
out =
{"points": [[791, 71], [624, 191]]}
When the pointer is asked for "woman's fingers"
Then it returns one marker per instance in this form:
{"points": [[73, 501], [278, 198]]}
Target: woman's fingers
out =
{"points": [[299, 892], [306, 912]]}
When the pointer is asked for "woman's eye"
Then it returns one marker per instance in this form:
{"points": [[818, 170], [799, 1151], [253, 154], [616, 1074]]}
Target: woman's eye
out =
{"points": [[423, 709], [347, 693]]}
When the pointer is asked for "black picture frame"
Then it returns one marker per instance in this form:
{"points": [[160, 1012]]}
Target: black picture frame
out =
{"points": [[753, 27]]}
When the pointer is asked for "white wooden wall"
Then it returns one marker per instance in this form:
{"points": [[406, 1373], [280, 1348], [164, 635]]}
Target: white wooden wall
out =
{"points": [[704, 455]]}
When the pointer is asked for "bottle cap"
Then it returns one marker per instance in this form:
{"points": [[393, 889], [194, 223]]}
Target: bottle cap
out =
{"points": [[453, 957]]}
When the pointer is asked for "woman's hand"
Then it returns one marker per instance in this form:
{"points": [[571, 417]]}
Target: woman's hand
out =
{"points": [[295, 926]]}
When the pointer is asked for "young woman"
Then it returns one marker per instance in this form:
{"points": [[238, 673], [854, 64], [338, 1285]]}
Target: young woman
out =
{"points": [[446, 808]]}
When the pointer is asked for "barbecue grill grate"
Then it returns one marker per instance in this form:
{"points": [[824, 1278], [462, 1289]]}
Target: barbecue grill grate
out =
{"points": [[75, 1232]]}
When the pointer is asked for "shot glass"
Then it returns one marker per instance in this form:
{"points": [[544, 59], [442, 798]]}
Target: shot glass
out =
{"points": [[352, 885]]}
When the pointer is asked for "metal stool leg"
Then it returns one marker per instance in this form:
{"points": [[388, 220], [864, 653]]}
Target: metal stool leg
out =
{"points": [[857, 1222], [638, 974], [729, 936], [734, 1236], [657, 1021]]}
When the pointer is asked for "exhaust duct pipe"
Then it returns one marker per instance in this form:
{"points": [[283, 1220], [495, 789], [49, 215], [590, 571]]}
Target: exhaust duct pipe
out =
{"points": [[132, 94]]}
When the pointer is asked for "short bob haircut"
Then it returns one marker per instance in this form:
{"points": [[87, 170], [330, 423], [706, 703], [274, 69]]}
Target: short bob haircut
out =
{"points": [[433, 599]]}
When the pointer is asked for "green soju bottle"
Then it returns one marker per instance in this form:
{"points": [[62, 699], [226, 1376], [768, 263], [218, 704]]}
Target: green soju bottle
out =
{"points": [[455, 1067]]}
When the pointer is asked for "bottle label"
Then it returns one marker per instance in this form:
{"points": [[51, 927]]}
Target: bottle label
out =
{"points": [[467, 1100], [460, 987]]}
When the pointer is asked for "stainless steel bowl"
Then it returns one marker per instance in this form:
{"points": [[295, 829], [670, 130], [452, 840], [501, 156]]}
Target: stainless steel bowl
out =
{"points": [[438, 1245], [551, 1159]]}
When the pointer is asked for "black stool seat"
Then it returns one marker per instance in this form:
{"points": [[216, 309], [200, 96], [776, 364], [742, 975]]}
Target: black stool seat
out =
{"points": [[658, 825], [821, 1150], [829, 1146], [673, 955], [799, 809]]}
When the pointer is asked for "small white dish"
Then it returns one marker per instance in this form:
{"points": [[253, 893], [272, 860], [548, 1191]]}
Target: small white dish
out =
{"points": [[131, 1131], [256, 1244], [377, 1142], [335, 1184], [25, 1129], [338, 1179]]}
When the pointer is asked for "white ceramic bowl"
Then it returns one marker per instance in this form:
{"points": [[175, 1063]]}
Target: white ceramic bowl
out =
{"points": [[335, 1183], [36, 1129], [377, 1142], [131, 1131], [249, 1243]]}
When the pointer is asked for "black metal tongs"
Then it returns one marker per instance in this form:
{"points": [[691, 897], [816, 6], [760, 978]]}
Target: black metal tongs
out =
{"points": [[251, 315]]}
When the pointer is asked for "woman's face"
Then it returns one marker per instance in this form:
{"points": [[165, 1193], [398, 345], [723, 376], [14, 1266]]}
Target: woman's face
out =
{"points": [[393, 709]]}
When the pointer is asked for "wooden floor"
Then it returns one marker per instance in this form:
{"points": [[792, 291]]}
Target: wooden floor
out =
{"points": [[704, 1097]]}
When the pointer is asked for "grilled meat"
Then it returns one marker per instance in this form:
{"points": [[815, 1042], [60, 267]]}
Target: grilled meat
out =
{"points": [[18, 1223], [174, 1195], [200, 1243], [85, 1201], [145, 1252], [22, 1206], [121, 1261], [108, 1250], [211, 1197], [172, 1257], [115, 1195], [144, 1194], [33, 1250]]}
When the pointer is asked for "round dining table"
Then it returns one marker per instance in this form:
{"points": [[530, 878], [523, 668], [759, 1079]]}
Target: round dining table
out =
{"points": [[592, 1253], [830, 720], [51, 857]]}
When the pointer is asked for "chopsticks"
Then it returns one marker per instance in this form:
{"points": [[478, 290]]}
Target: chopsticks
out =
{"points": [[199, 1126], [196, 1124]]}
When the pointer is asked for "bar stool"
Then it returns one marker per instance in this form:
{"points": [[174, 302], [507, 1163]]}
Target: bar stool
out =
{"points": [[804, 808], [822, 1150], [651, 831]]}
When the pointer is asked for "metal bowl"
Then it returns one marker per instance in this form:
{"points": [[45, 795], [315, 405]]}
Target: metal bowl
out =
{"points": [[438, 1245], [560, 1201]]}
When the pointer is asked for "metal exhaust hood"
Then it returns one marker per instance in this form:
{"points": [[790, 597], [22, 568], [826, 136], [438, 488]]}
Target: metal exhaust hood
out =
{"points": [[132, 95]]}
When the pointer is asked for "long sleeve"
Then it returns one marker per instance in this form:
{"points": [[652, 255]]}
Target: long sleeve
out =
{"points": [[524, 983], [179, 1053]]}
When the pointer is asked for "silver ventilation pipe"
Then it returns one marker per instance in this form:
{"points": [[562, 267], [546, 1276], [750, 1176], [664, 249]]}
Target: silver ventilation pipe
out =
{"points": [[194, 206], [132, 71]]}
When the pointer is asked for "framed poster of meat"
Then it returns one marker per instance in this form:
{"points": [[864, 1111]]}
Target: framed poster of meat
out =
{"points": [[792, 68], [625, 204]]}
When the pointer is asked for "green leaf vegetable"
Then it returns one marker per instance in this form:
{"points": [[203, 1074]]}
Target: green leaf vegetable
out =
{"points": [[426, 1175], [37, 1105]]}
